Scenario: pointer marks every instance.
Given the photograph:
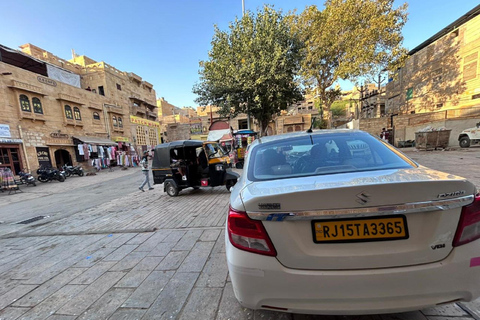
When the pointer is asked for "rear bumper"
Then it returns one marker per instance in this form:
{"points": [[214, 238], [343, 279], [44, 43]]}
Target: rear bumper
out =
{"points": [[260, 281]]}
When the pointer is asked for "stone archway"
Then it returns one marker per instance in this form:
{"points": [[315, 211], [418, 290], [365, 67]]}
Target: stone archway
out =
{"points": [[62, 157]]}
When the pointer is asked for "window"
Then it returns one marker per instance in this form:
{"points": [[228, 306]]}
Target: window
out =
{"points": [[152, 135], [120, 122], [76, 111], [470, 66], [25, 103], [242, 124], [68, 112], [101, 91], [476, 96], [319, 155], [409, 94], [437, 75], [141, 136], [96, 116], [114, 121], [119, 87], [439, 105], [37, 106]]}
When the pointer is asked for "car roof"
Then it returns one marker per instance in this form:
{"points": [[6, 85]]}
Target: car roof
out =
{"points": [[297, 134]]}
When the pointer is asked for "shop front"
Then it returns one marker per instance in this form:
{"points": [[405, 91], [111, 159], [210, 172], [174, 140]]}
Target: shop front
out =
{"points": [[60, 149], [10, 154], [10, 150], [102, 153], [146, 133]]}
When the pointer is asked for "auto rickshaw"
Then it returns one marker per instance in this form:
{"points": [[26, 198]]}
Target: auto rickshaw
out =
{"points": [[191, 164]]}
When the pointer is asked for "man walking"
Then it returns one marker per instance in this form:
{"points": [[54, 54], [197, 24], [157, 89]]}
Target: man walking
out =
{"points": [[145, 171]]}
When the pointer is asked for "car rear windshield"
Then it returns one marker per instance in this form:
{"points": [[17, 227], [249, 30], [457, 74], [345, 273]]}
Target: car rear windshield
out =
{"points": [[322, 154]]}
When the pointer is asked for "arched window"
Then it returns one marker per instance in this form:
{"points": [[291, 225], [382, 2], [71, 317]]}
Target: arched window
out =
{"points": [[96, 116], [114, 121], [120, 122], [76, 111], [68, 112], [37, 106], [25, 103]]}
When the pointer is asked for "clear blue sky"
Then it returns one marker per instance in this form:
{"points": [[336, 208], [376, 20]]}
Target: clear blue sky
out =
{"points": [[162, 40]]}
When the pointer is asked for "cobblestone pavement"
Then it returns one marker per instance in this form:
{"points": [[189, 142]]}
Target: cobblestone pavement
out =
{"points": [[149, 256]]}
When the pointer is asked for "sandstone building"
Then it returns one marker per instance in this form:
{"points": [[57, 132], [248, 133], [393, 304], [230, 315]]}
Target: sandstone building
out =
{"points": [[442, 73], [50, 105]]}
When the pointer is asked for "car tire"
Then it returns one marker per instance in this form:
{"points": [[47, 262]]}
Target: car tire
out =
{"points": [[171, 190], [464, 142]]}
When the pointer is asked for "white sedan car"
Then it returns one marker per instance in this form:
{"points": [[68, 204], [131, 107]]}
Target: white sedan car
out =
{"points": [[339, 222]]}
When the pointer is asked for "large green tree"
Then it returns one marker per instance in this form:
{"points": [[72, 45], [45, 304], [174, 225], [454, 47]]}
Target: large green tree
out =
{"points": [[253, 66], [347, 40]]}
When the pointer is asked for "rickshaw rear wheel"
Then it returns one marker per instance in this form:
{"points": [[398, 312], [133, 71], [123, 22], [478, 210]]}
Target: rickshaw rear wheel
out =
{"points": [[229, 185], [172, 191]]}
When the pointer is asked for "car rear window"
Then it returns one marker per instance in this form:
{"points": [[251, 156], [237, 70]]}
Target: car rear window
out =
{"points": [[322, 154]]}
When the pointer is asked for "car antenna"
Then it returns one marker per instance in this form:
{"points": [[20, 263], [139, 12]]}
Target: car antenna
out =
{"points": [[311, 125]]}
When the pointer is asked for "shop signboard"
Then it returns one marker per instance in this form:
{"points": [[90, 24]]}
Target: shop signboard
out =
{"points": [[5, 131], [43, 156], [144, 122], [196, 128], [121, 139]]}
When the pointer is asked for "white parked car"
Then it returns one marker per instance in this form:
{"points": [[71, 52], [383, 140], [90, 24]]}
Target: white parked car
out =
{"points": [[469, 136], [328, 230]]}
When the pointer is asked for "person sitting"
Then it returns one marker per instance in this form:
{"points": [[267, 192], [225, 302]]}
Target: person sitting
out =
{"points": [[202, 162]]}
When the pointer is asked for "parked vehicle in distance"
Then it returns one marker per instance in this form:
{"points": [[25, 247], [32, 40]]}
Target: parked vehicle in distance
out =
{"points": [[191, 163], [469, 136], [72, 170], [340, 222], [48, 174], [26, 178]]}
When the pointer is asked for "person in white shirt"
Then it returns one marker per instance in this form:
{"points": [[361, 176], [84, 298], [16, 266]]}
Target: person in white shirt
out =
{"points": [[145, 171]]}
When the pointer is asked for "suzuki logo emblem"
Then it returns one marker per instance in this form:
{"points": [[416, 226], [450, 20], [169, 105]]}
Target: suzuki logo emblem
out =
{"points": [[363, 197]]}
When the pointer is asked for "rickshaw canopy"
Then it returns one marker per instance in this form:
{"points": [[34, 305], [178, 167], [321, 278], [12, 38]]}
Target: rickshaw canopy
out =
{"points": [[161, 156]]}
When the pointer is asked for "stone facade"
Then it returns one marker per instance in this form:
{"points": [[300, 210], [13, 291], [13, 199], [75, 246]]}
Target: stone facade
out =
{"points": [[442, 73], [43, 115]]}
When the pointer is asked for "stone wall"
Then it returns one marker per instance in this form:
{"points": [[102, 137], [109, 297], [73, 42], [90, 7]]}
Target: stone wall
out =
{"points": [[405, 126], [374, 125], [177, 131]]}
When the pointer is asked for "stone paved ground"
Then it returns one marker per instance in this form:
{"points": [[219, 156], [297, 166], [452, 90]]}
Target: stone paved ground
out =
{"points": [[149, 256]]}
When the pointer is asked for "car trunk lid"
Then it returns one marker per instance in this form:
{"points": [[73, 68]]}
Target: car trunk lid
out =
{"points": [[296, 211]]}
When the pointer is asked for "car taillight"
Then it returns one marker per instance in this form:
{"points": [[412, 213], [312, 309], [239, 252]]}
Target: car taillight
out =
{"points": [[469, 225], [247, 234]]}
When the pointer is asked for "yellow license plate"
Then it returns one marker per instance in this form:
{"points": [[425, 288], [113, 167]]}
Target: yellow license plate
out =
{"points": [[360, 229]]}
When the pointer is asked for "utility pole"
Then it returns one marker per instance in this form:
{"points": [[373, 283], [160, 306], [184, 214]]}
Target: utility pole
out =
{"points": [[248, 109]]}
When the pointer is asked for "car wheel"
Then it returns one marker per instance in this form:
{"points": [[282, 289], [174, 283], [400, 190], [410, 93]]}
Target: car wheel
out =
{"points": [[172, 191], [464, 142]]}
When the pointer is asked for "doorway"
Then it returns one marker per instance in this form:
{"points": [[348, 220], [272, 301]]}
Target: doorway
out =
{"points": [[62, 157], [10, 158]]}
